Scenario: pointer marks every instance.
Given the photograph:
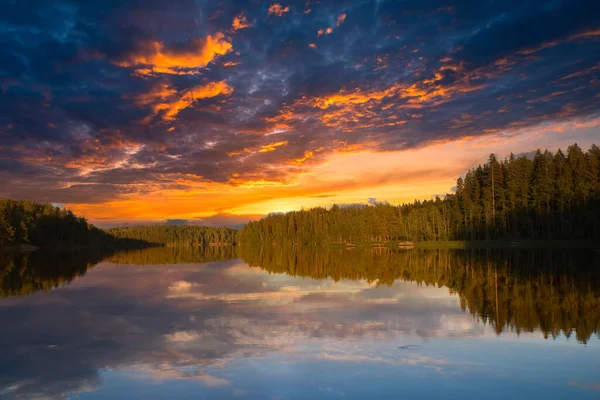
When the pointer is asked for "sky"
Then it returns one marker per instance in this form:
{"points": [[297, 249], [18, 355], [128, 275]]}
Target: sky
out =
{"points": [[218, 112]]}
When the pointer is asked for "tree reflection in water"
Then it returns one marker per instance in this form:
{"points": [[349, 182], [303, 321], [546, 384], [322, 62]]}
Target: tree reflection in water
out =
{"points": [[555, 291]]}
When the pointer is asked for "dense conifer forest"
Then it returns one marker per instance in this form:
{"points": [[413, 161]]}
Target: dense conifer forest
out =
{"points": [[547, 196], [44, 225], [172, 236], [38, 224]]}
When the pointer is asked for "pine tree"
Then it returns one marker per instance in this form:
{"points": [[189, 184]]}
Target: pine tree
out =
{"points": [[7, 232]]}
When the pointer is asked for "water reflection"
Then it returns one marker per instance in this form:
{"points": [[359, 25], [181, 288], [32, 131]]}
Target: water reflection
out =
{"points": [[522, 290], [173, 255], [27, 273], [213, 326]]}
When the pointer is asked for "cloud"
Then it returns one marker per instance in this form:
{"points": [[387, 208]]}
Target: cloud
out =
{"points": [[272, 146], [183, 337], [105, 107], [240, 22], [168, 102], [153, 57], [180, 287], [278, 10], [372, 201]]}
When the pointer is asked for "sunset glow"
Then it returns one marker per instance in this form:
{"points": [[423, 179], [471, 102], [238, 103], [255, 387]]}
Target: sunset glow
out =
{"points": [[223, 113]]}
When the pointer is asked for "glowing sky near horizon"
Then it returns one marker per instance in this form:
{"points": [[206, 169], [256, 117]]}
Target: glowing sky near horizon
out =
{"points": [[220, 112]]}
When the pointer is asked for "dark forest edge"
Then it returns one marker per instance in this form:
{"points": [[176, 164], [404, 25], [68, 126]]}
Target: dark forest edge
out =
{"points": [[27, 225], [551, 197]]}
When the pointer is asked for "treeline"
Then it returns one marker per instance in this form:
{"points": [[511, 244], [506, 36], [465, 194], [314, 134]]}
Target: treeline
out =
{"points": [[174, 236], [44, 225], [41, 224], [511, 289], [548, 196]]}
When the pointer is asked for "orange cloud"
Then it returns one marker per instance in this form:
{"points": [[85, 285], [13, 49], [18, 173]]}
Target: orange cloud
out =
{"points": [[307, 155], [89, 161], [164, 98], [340, 20], [355, 97], [278, 9], [237, 153], [586, 34], [592, 34], [159, 92], [154, 58], [240, 22], [272, 146], [95, 155], [378, 108], [324, 31]]}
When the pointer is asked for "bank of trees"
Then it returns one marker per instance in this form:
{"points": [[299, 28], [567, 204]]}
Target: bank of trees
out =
{"points": [[173, 236], [40, 224], [547, 196], [43, 225]]}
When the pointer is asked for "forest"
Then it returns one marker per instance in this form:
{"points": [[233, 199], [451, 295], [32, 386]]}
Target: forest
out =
{"points": [[174, 236], [40, 224], [546, 196], [44, 225]]}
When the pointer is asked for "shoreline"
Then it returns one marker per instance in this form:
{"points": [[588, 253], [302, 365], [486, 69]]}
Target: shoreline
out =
{"points": [[19, 248]]}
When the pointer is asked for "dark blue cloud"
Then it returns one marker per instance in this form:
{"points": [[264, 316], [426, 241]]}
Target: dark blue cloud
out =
{"points": [[93, 95]]}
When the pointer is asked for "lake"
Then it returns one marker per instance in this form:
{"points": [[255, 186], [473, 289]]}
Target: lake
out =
{"points": [[282, 323]]}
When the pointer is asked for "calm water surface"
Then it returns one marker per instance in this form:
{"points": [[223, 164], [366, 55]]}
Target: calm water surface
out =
{"points": [[300, 324]]}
